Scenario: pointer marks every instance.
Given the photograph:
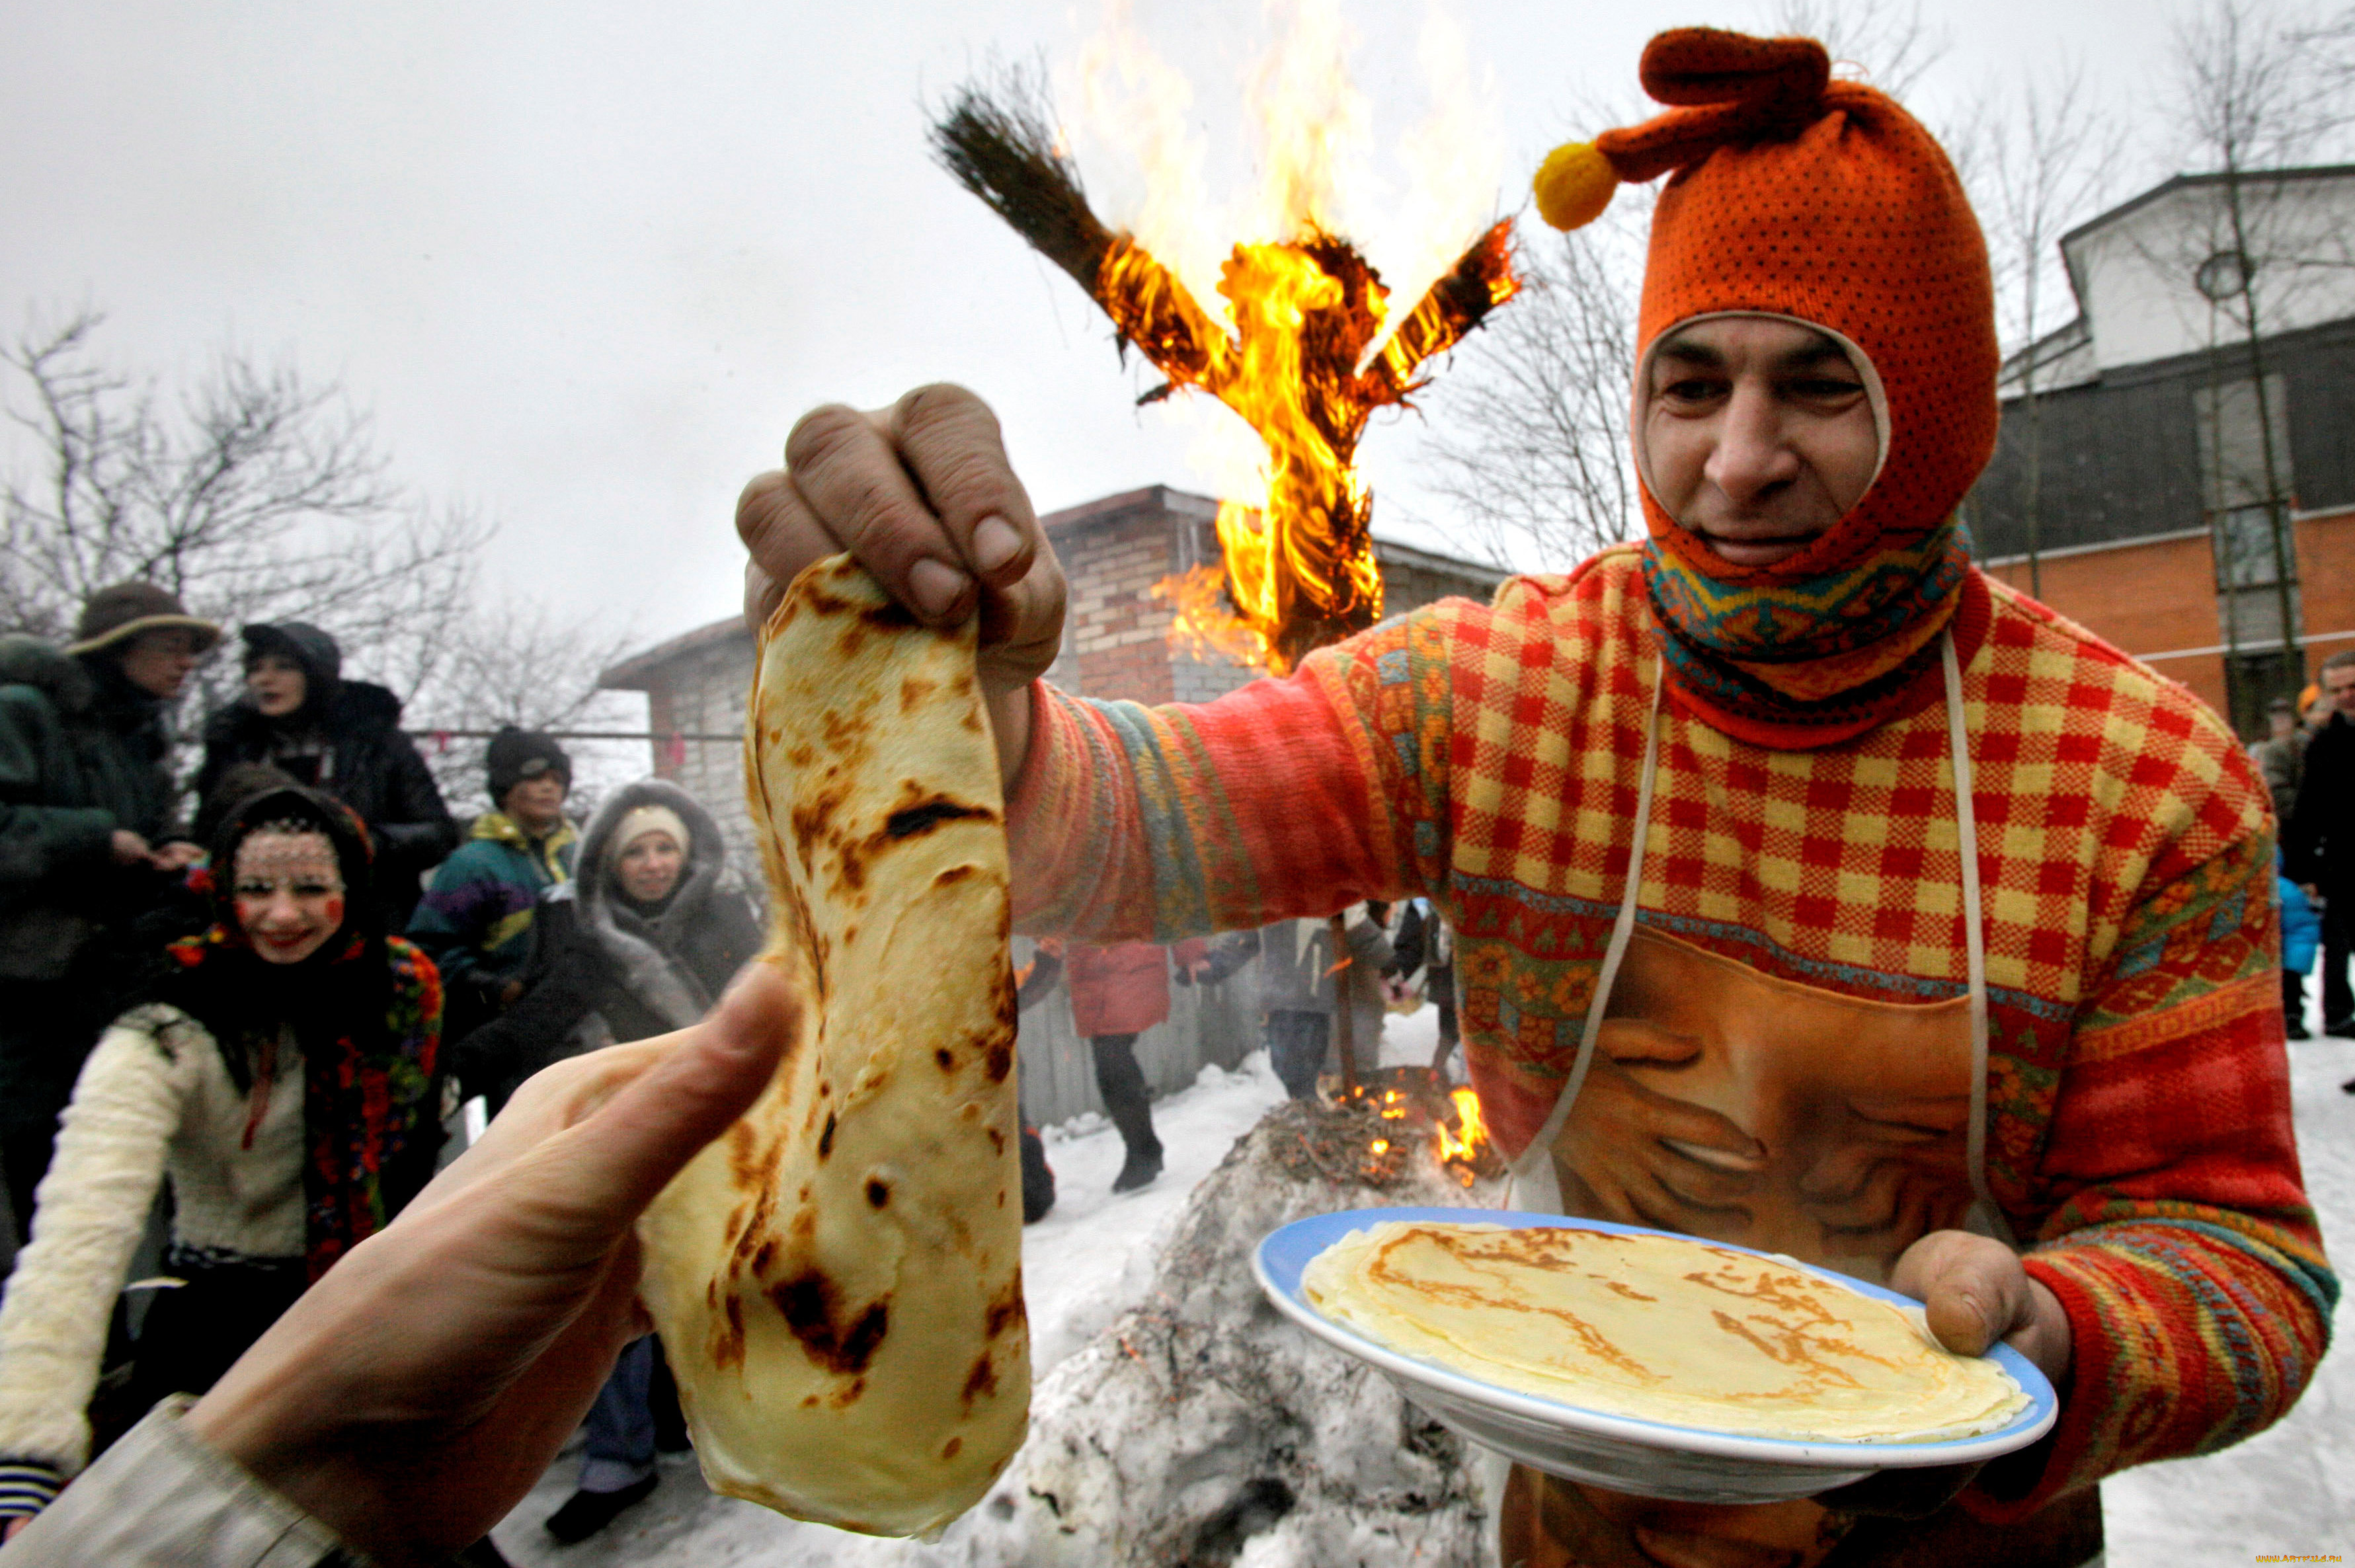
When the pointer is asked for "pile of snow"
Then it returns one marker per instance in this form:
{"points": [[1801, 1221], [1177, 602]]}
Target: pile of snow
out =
{"points": [[1201, 1428]]}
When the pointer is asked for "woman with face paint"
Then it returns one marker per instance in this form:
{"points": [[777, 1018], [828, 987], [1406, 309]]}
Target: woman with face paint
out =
{"points": [[277, 1073]]}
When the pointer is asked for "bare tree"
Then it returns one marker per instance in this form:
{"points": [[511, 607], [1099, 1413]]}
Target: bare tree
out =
{"points": [[1528, 439], [532, 671], [2047, 163], [256, 495], [1888, 42], [2254, 96]]}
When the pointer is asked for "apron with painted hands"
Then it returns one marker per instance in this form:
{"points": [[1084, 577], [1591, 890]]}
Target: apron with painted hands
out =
{"points": [[1712, 1099]]}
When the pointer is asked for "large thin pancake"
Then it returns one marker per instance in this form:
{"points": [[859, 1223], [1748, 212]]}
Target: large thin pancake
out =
{"points": [[1658, 1328], [838, 1279]]}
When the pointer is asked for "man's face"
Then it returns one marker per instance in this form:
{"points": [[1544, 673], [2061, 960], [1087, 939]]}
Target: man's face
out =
{"points": [[2339, 687], [1758, 435], [537, 804], [158, 663]]}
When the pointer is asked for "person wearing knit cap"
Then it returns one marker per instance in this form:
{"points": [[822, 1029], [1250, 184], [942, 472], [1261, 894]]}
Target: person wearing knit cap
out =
{"points": [[1812, 892], [88, 820], [299, 714], [474, 920], [642, 942]]}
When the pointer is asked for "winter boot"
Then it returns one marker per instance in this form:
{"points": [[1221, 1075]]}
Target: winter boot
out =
{"points": [[1037, 1178], [585, 1513], [1122, 1083]]}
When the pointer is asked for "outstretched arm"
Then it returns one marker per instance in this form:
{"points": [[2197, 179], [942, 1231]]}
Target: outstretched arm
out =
{"points": [[413, 1396]]}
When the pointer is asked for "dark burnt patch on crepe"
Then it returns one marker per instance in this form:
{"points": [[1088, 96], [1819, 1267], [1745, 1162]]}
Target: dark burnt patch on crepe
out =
{"points": [[914, 820], [841, 1339]]}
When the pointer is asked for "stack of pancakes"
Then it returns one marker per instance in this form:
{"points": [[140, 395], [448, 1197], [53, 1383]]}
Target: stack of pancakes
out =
{"points": [[1660, 1328]]}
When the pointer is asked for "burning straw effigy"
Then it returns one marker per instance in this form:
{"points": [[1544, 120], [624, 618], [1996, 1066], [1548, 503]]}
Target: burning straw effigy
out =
{"points": [[1304, 363]]}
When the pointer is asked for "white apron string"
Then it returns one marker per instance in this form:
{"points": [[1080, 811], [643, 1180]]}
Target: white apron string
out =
{"points": [[1532, 1185]]}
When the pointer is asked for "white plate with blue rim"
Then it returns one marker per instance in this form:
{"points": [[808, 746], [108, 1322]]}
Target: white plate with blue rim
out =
{"points": [[1648, 1458]]}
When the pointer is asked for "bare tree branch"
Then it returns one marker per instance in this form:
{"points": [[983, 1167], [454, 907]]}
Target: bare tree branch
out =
{"points": [[257, 495]]}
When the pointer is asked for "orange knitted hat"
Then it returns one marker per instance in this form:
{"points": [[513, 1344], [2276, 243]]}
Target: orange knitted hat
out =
{"points": [[1799, 195]]}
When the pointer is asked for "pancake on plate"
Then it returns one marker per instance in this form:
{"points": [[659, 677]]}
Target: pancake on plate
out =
{"points": [[1660, 1328]]}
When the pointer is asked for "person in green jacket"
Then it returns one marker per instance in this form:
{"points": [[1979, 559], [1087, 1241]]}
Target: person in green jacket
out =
{"points": [[86, 841], [474, 921]]}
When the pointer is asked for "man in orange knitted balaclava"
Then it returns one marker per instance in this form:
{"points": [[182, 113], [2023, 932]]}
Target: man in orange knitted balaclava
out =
{"points": [[1810, 892], [1809, 201]]}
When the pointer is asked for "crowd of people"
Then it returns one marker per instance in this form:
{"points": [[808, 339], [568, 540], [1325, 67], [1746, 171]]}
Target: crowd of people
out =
{"points": [[264, 1009], [1798, 887], [267, 1016]]}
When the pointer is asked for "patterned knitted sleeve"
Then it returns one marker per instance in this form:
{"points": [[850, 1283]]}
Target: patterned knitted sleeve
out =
{"points": [[1283, 798], [2182, 1244], [93, 1207]]}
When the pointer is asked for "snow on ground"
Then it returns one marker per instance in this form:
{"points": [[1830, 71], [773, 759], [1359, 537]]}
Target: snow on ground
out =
{"points": [[2288, 1490]]}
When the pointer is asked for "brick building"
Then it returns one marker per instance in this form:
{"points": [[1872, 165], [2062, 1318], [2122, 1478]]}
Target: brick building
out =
{"points": [[2145, 477], [1116, 646]]}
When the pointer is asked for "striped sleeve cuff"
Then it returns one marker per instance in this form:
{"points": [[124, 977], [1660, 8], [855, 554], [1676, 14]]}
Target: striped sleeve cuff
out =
{"points": [[26, 1487]]}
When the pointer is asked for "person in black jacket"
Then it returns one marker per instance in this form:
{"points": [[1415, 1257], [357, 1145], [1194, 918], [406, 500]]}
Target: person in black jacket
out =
{"points": [[640, 942], [88, 842], [2318, 843], [300, 715]]}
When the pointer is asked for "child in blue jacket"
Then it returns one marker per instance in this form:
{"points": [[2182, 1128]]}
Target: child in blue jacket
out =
{"points": [[2301, 937]]}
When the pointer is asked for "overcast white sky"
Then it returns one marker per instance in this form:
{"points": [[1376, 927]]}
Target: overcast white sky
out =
{"points": [[586, 262]]}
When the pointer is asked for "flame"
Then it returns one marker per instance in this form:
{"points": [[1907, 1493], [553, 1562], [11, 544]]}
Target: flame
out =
{"points": [[1307, 347], [1305, 310], [1465, 1145]]}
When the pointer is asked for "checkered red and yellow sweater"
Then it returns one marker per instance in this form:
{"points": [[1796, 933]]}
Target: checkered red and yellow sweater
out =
{"points": [[1488, 757]]}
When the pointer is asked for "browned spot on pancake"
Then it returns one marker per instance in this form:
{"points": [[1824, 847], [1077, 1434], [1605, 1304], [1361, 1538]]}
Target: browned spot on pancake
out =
{"points": [[839, 1340], [1001, 1197], [844, 1398], [878, 1191], [911, 821], [947, 1059], [955, 875], [998, 1052], [766, 1254], [804, 1226], [1005, 1308], [825, 1139], [808, 1401], [800, 757], [982, 1380], [953, 1446], [813, 814], [915, 691], [996, 1141], [728, 1337]]}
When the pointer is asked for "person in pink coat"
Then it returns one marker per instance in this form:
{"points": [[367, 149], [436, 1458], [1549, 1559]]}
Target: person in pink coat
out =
{"points": [[1118, 992]]}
